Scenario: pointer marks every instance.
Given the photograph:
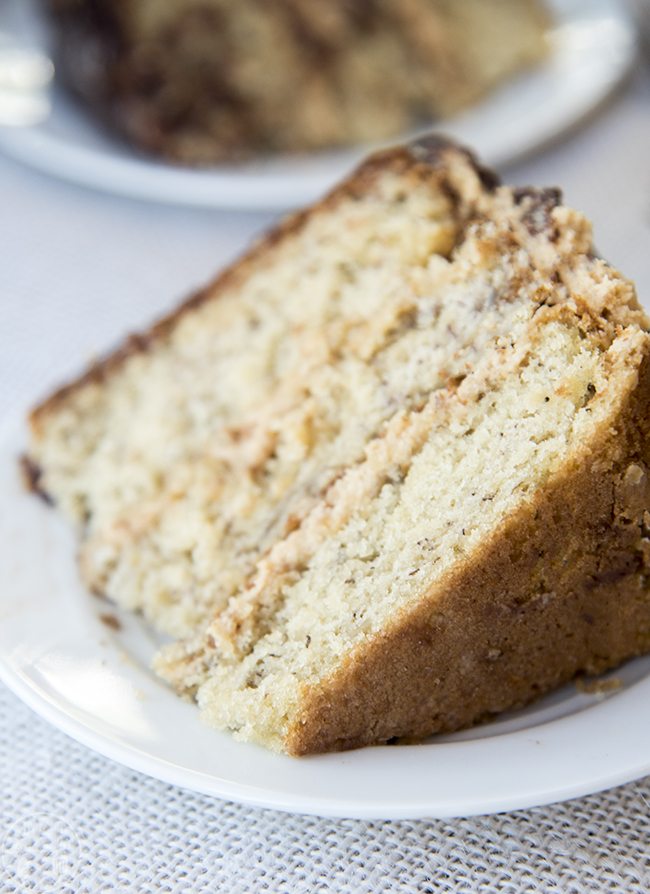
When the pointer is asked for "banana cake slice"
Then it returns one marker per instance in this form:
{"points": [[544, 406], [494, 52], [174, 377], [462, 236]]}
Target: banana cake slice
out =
{"points": [[387, 475]]}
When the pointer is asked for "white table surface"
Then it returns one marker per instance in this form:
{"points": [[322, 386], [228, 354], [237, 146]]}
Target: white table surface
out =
{"points": [[77, 270]]}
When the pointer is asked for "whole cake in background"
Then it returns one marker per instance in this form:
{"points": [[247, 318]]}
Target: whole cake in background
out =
{"points": [[202, 81], [387, 475]]}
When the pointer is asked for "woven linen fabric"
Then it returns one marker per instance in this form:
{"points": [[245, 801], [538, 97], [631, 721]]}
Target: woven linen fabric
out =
{"points": [[77, 270], [75, 822]]}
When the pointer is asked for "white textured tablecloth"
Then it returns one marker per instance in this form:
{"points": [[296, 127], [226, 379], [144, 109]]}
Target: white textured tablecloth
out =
{"points": [[77, 269]]}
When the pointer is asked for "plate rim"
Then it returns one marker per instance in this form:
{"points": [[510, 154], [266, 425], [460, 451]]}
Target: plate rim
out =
{"points": [[201, 783]]}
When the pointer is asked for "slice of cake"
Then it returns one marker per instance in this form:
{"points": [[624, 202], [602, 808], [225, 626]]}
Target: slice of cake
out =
{"points": [[387, 475], [200, 81]]}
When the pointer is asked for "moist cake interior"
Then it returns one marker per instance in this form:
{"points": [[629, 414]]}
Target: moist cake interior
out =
{"points": [[279, 473]]}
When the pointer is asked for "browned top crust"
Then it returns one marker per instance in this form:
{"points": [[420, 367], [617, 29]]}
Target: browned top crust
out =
{"points": [[432, 147]]}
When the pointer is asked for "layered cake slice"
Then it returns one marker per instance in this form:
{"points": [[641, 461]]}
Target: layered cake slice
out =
{"points": [[387, 475]]}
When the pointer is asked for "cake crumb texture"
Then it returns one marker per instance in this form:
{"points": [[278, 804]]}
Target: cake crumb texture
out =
{"points": [[387, 475]]}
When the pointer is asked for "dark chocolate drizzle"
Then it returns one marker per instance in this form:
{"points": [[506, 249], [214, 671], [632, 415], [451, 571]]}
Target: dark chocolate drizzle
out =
{"points": [[431, 147], [539, 205], [32, 476]]}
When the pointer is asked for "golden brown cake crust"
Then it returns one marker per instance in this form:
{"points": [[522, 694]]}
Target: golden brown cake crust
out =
{"points": [[561, 589]]}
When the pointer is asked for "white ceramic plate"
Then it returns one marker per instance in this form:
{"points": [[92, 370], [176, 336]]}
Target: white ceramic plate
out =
{"points": [[593, 46], [95, 684]]}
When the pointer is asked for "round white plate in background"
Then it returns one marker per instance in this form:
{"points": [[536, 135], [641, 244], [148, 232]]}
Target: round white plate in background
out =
{"points": [[93, 681], [593, 45]]}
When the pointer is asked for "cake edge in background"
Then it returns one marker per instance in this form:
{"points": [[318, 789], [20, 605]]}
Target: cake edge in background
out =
{"points": [[199, 83]]}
